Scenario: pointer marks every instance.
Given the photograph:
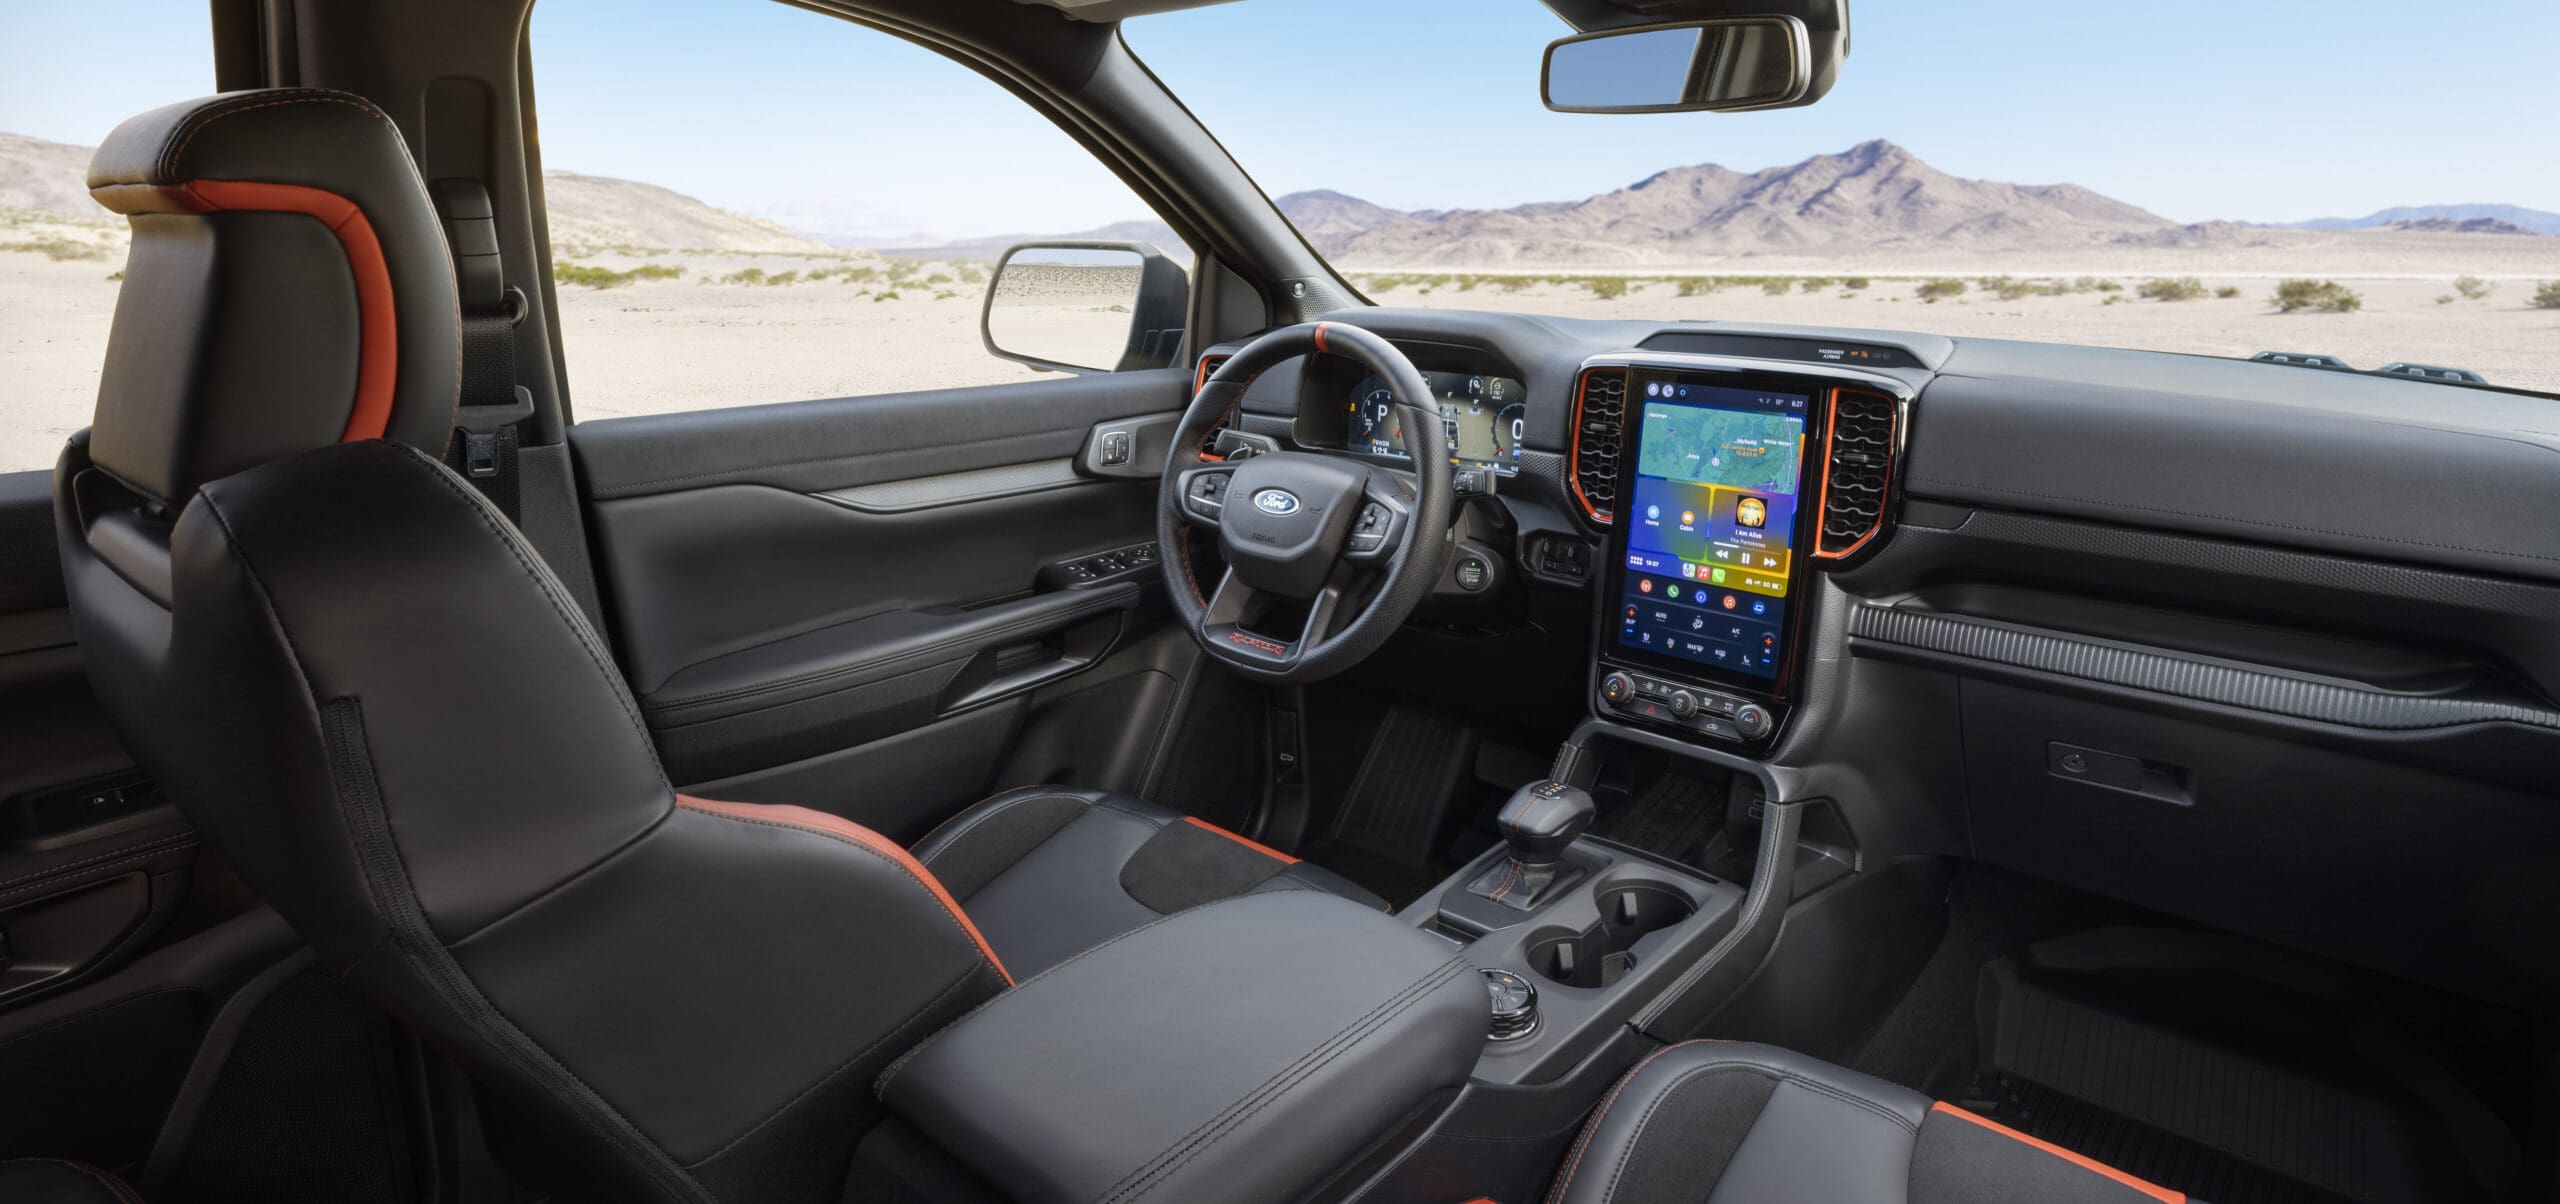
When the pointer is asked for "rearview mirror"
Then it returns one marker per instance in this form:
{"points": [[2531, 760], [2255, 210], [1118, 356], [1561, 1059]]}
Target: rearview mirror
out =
{"points": [[1695, 66], [1085, 306]]}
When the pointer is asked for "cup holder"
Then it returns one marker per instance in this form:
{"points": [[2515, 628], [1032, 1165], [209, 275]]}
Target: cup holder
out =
{"points": [[1601, 955]]}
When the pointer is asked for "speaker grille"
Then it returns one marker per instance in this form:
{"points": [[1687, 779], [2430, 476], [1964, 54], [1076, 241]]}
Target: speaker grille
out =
{"points": [[1599, 415], [1857, 470]]}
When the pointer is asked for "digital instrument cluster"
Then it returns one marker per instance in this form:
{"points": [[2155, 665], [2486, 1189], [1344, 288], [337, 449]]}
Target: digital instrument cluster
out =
{"points": [[1481, 419]]}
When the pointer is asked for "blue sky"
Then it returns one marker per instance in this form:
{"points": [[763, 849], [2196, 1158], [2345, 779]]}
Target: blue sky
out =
{"points": [[2295, 109]]}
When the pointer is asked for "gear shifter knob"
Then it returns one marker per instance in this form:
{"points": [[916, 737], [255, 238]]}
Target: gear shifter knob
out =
{"points": [[1542, 818]]}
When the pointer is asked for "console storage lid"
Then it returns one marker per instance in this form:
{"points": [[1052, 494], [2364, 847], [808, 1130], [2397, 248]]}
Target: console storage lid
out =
{"points": [[1239, 1051]]}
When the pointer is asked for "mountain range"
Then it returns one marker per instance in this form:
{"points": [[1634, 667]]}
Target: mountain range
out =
{"points": [[2436, 217], [1873, 197]]}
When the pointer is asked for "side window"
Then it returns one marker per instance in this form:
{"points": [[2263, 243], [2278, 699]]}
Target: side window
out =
{"points": [[61, 256], [753, 203]]}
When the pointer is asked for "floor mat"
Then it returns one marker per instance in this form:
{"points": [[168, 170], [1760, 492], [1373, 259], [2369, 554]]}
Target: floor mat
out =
{"points": [[1673, 818], [2185, 1113]]}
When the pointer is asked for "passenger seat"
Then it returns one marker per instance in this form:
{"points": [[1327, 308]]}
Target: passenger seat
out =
{"points": [[1718, 1122]]}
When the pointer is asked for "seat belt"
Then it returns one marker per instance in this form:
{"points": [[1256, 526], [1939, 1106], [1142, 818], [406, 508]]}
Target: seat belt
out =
{"points": [[485, 436]]}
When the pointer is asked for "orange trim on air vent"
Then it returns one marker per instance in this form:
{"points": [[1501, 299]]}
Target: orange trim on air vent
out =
{"points": [[1573, 450], [1209, 364], [1822, 499]]}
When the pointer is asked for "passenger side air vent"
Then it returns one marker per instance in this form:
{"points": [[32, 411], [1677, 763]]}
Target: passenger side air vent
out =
{"points": [[1857, 470], [1599, 414], [1208, 367]]}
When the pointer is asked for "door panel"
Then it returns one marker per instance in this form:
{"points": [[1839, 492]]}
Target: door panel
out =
{"points": [[843, 603], [93, 858]]}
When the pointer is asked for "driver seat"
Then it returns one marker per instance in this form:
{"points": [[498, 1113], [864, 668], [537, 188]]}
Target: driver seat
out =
{"points": [[365, 689]]}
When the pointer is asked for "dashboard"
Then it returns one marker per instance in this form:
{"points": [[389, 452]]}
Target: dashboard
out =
{"points": [[2136, 622]]}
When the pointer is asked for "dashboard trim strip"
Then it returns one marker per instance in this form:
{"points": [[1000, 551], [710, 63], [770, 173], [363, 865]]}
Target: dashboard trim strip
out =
{"points": [[2318, 700]]}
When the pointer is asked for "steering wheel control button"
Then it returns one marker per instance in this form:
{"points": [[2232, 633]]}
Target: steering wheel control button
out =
{"points": [[1472, 574], [1208, 496], [1515, 1005]]}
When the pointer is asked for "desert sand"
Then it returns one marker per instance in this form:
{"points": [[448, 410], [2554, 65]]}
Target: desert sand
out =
{"points": [[708, 338]]}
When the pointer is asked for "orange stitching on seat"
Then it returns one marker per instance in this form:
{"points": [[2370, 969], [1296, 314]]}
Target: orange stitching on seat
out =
{"points": [[2153, 1190]]}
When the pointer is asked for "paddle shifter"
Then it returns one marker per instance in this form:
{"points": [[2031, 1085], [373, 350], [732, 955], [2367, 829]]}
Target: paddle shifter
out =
{"points": [[1539, 821]]}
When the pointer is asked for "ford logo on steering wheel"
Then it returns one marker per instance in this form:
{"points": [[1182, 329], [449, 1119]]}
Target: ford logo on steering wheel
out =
{"points": [[1276, 501]]}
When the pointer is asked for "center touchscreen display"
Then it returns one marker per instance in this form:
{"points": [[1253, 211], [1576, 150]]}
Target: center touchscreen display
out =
{"points": [[1711, 528]]}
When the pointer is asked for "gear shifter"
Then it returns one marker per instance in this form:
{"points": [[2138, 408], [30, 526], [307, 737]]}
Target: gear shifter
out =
{"points": [[1541, 819]]}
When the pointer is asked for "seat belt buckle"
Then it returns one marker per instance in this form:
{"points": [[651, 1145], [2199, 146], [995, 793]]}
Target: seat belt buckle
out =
{"points": [[481, 448], [479, 454]]}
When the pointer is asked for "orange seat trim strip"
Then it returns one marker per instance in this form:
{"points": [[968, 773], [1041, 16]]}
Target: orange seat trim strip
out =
{"points": [[840, 828], [2153, 1190], [1255, 845]]}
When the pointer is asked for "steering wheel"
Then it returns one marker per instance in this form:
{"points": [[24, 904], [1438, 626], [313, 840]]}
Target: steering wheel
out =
{"points": [[1301, 529]]}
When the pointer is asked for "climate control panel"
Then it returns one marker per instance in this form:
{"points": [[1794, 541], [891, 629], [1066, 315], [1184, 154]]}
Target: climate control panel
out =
{"points": [[1686, 706]]}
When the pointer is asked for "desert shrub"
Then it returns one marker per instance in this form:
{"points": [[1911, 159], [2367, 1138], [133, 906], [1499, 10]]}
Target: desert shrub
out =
{"points": [[117, 275], [2548, 296], [1606, 288], [2327, 296], [588, 276], [1855, 283], [1934, 291], [2445, 299], [2473, 288], [944, 294], [2163, 288], [1815, 284], [58, 249], [748, 276], [938, 279], [969, 274], [2010, 288], [2113, 299], [656, 271], [886, 295], [2227, 292], [1698, 286]]}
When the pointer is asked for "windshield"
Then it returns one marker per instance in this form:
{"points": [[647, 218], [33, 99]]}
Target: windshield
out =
{"points": [[2316, 180]]}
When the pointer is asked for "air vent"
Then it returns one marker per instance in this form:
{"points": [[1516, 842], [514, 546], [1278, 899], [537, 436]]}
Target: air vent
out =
{"points": [[1857, 470], [1208, 367], [1599, 414]]}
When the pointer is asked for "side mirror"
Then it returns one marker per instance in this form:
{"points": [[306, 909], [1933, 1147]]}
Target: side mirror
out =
{"points": [[1085, 306], [1695, 66]]}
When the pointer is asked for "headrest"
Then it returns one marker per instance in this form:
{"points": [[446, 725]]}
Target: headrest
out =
{"points": [[288, 288]]}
